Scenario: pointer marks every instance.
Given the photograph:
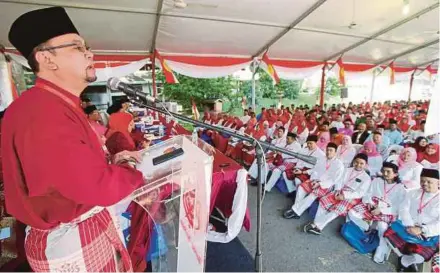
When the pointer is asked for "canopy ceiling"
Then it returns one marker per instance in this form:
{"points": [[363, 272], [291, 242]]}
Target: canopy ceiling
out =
{"points": [[316, 30]]}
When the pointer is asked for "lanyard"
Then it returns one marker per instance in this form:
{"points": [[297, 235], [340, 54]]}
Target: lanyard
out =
{"points": [[327, 164], [385, 191], [351, 178], [77, 108], [421, 205]]}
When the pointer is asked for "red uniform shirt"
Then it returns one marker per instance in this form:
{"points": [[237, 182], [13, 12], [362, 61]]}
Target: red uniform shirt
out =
{"points": [[54, 166]]}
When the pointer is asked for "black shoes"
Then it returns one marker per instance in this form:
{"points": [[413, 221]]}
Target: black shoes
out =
{"points": [[309, 228], [290, 214]]}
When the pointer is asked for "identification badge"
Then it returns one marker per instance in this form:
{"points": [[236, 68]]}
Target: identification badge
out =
{"points": [[5, 233]]}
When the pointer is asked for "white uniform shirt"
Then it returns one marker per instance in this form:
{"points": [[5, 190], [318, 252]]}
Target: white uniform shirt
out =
{"points": [[328, 172], [429, 215], [318, 153], [303, 136], [391, 196], [294, 147], [356, 183]]}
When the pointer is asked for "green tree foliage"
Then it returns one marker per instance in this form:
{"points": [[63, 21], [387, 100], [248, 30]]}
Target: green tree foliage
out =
{"points": [[198, 89], [265, 89], [332, 87]]}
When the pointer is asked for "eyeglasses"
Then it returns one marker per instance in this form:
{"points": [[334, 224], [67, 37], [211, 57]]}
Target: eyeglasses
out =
{"points": [[80, 48]]}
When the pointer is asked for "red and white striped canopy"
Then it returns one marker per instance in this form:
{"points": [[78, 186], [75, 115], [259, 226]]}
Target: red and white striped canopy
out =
{"points": [[230, 33]]}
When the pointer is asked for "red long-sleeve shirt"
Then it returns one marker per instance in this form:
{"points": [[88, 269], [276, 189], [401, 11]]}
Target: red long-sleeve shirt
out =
{"points": [[54, 166]]}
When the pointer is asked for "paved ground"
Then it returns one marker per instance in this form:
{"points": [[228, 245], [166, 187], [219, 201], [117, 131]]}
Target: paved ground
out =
{"points": [[287, 248]]}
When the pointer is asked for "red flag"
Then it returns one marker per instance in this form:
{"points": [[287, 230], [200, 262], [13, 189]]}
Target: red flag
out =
{"points": [[270, 69], [341, 71], [392, 77], [195, 111], [168, 73]]}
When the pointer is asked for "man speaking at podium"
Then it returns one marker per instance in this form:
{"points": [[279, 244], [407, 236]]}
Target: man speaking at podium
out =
{"points": [[57, 176]]}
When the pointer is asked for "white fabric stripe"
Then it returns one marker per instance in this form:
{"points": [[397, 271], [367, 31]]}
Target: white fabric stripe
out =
{"points": [[199, 71], [103, 74]]}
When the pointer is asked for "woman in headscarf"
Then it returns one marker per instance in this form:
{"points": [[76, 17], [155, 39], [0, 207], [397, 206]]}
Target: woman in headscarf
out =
{"points": [[119, 134], [404, 125], [430, 158], [409, 168], [420, 146], [346, 152], [252, 121], [301, 130], [323, 140], [312, 124], [374, 158]]}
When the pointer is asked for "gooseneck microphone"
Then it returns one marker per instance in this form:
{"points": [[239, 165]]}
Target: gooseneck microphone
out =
{"points": [[131, 91]]}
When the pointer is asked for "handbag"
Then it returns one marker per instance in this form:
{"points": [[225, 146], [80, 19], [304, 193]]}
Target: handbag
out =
{"points": [[358, 239], [400, 229]]}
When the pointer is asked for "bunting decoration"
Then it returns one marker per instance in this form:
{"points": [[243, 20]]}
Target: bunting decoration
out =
{"points": [[392, 76], [270, 69], [431, 72], [195, 111], [341, 71], [168, 73]]}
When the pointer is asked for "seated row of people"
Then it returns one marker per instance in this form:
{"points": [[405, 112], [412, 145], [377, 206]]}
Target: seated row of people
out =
{"points": [[372, 204]]}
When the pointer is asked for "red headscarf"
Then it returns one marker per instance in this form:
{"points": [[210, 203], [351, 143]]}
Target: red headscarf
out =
{"points": [[434, 158], [118, 122]]}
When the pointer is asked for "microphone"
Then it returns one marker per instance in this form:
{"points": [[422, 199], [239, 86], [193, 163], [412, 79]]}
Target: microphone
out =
{"points": [[131, 91]]}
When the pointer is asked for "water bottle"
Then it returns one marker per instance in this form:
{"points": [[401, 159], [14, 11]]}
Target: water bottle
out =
{"points": [[194, 136], [160, 130]]}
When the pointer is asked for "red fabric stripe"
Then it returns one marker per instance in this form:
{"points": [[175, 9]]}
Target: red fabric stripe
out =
{"points": [[295, 64], [104, 65], [207, 61], [35, 246], [119, 58]]}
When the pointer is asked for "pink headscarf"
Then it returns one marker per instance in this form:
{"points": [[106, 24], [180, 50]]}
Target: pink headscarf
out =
{"points": [[412, 159], [370, 145], [323, 140]]}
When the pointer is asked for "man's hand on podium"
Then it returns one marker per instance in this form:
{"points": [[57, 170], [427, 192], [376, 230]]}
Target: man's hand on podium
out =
{"points": [[127, 157]]}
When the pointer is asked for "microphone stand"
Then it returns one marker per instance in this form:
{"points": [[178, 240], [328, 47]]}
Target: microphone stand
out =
{"points": [[140, 101]]}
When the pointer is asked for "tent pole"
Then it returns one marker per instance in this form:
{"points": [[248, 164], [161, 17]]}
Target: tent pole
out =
{"points": [[321, 93], [411, 82], [254, 71], [373, 83]]}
